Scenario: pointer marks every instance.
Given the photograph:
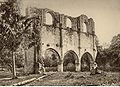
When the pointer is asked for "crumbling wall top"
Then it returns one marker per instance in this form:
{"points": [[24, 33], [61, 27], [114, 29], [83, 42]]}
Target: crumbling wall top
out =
{"points": [[61, 19]]}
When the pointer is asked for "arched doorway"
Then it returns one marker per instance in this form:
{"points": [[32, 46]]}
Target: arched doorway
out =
{"points": [[70, 61], [86, 61], [51, 60]]}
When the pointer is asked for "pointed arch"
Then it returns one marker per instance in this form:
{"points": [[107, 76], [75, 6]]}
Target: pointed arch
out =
{"points": [[51, 59], [84, 27], [70, 61], [49, 19], [86, 61], [68, 23]]}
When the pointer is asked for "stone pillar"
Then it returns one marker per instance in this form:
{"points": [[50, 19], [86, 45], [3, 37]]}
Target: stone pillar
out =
{"points": [[61, 26], [77, 65], [60, 67], [80, 65]]}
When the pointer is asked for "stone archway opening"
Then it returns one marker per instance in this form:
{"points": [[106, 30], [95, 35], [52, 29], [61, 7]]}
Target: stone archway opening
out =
{"points": [[70, 61], [49, 19], [51, 60], [86, 61], [84, 27], [68, 23]]}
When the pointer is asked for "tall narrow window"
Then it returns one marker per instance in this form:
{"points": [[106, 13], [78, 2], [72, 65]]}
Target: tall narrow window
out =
{"points": [[49, 19], [68, 23], [84, 27]]}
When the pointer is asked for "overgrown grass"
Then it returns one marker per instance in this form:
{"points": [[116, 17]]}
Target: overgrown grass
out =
{"points": [[5, 74], [9, 82], [79, 79], [48, 69], [110, 69], [8, 74]]}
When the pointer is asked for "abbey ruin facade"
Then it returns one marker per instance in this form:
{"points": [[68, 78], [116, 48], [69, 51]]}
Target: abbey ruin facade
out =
{"points": [[62, 39]]}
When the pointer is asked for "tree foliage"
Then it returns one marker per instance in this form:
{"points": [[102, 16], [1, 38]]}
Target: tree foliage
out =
{"points": [[110, 55], [15, 31], [10, 31], [10, 28], [115, 50]]}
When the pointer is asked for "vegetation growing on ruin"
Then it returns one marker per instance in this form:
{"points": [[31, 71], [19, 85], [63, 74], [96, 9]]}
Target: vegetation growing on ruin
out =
{"points": [[110, 57]]}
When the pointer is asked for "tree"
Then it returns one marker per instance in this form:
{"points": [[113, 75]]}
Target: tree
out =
{"points": [[10, 28], [16, 29], [33, 36], [115, 42], [111, 55], [115, 50]]}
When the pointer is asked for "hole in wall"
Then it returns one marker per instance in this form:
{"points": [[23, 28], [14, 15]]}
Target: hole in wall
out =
{"points": [[48, 45], [49, 19], [68, 23], [84, 27], [57, 45]]}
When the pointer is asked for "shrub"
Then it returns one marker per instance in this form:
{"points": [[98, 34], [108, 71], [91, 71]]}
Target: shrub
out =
{"points": [[47, 69], [70, 67]]}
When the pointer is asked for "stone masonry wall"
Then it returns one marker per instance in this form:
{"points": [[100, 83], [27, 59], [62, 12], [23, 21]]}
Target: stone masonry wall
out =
{"points": [[63, 39]]}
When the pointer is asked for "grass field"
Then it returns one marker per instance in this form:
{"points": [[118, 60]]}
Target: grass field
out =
{"points": [[65, 79], [10, 82], [6, 77], [78, 79]]}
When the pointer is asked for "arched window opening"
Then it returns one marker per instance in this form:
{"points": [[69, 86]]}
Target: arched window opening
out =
{"points": [[70, 60], [51, 60], [68, 23], [86, 60], [84, 27], [49, 19]]}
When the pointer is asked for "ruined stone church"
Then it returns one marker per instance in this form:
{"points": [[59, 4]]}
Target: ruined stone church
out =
{"points": [[64, 35]]}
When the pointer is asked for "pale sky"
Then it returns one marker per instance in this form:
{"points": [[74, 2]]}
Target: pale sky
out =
{"points": [[106, 13]]}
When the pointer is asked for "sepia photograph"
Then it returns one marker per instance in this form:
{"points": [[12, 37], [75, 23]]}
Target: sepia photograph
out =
{"points": [[59, 42]]}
